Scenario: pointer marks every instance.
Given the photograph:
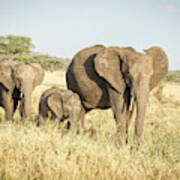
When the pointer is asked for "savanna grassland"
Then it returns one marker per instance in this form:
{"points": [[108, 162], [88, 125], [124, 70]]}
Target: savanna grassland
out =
{"points": [[52, 152]]}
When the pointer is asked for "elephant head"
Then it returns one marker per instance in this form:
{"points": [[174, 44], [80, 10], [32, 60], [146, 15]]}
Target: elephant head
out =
{"points": [[122, 67]]}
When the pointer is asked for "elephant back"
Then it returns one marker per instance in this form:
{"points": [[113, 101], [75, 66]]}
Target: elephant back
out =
{"points": [[50, 91], [84, 54], [82, 78]]}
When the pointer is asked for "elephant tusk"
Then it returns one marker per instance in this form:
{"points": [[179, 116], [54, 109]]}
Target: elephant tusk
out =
{"points": [[150, 109], [131, 105], [21, 95]]}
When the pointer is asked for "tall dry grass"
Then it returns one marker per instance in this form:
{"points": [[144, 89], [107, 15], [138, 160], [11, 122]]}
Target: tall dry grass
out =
{"points": [[52, 152]]}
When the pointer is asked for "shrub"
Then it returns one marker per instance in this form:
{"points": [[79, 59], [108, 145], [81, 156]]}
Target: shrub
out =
{"points": [[25, 59], [173, 76], [47, 62]]}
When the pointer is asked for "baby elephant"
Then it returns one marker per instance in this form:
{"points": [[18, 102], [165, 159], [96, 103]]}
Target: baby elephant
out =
{"points": [[56, 103]]}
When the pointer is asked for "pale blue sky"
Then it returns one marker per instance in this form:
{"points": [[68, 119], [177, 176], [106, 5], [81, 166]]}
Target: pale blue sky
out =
{"points": [[63, 27]]}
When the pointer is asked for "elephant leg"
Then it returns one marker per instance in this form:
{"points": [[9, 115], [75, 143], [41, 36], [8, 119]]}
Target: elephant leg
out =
{"points": [[128, 121], [77, 120], [81, 118], [76, 117], [9, 107], [43, 115], [27, 106], [42, 118], [23, 110], [120, 114], [74, 121], [130, 111]]}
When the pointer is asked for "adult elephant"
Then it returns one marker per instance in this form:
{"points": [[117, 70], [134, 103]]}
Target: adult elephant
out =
{"points": [[111, 77], [17, 81], [26, 78]]}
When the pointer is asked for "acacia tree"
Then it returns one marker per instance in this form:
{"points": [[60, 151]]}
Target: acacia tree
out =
{"points": [[12, 46]]}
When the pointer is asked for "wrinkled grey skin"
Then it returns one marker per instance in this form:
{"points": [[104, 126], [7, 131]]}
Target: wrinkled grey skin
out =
{"points": [[26, 78], [114, 77], [17, 85], [56, 103]]}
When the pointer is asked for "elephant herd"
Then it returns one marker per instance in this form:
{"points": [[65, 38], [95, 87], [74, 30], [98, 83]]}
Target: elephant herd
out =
{"points": [[98, 77]]}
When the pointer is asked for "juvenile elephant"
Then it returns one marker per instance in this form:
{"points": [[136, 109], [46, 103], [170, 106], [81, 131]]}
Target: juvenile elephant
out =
{"points": [[17, 81], [56, 103], [113, 77]]}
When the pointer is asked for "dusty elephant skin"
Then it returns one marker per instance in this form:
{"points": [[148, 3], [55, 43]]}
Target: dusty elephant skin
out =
{"points": [[114, 77], [61, 104], [17, 81]]}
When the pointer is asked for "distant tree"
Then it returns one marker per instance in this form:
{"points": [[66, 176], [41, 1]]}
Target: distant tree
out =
{"points": [[12, 46]]}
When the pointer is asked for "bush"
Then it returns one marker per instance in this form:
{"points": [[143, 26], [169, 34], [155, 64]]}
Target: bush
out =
{"points": [[25, 59], [51, 63], [47, 62], [173, 76]]}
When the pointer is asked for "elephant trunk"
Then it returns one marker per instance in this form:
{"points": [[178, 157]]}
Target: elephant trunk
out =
{"points": [[27, 104], [27, 93], [141, 95]]}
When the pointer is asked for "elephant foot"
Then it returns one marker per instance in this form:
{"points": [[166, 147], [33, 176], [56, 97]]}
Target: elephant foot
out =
{"points": [[10, 120], [138, 141], [24, 119], [136, 145]]}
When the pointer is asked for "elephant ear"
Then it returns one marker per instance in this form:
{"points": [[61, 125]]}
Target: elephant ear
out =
{"points": [[160, 64], [107, 65], [6, 82], [55, 104], [38, 73]]}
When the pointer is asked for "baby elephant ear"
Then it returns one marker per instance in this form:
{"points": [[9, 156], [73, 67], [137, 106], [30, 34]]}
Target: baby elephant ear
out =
{"points": [[55, 104], [107, 65]]}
